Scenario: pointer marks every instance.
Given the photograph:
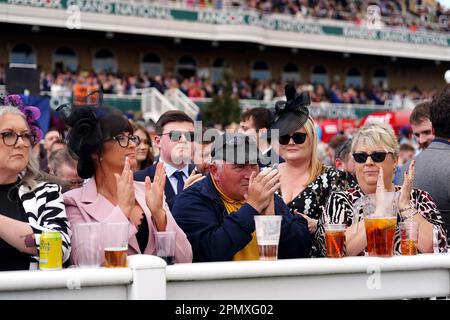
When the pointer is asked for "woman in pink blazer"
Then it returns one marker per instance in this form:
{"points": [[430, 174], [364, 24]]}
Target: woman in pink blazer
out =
{"points": [[106, 148]]}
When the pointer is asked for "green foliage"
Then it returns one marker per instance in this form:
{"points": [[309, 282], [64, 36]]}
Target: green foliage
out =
{"points": [[224, 108]]}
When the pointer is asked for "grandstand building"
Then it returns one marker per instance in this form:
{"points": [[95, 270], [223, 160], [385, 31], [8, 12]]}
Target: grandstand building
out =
{"points": [[143, 37]]}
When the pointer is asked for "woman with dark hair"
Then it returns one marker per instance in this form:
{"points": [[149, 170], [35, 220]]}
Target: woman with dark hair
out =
{"points": [[28, 207], [106, 150], [144, 151]]}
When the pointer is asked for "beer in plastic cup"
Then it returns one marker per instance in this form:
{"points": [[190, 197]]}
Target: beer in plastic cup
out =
{"points": [[268, 236], [409, 234], [115, 244], [335, 240]]}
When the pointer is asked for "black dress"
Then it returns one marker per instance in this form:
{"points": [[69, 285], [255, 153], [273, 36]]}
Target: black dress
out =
{"points": [[312, 200], [11, 207]]}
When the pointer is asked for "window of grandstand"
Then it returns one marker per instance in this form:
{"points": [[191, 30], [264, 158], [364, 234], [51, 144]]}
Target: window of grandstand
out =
{"points": [[186, 67], [380, 79], [104, 60], [151, 64], [290, 73], [319, 75], [354, 78], [64, 58], [260, 71], [217, 69], [22, 53]]}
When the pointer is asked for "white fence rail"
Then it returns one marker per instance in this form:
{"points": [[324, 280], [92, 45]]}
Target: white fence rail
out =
{"points": [[425, 275]]}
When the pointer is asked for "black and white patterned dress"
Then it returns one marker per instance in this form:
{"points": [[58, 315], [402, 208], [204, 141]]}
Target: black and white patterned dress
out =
{"points": [[339, 209], [312, 200]]}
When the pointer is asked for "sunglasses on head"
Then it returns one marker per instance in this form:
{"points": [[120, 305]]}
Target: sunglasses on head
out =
{"points": [[175, 135], [361, 157], [298, 137]]}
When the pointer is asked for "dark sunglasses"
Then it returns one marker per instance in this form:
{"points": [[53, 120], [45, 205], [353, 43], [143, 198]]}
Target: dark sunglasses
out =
{"points": [[176, 135], [298, 137], [361, 157]]}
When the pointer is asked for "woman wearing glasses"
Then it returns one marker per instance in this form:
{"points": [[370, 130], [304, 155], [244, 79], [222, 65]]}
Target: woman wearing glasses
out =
{"points": [[306, 182], [106, 147], [375, 150], [27, 207]]}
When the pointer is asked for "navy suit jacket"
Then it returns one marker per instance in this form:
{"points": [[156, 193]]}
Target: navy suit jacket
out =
{"points": [[168, 190]]}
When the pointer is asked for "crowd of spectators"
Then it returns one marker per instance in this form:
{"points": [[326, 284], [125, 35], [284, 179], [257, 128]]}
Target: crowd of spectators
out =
{"points": [[429, 16], [196, 88]]}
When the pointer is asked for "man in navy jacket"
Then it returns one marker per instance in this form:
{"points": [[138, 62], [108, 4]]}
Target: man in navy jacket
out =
{"points": [[218, 233]]}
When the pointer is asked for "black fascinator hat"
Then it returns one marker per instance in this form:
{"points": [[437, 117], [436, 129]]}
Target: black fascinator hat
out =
{"points": [[292, 114]]}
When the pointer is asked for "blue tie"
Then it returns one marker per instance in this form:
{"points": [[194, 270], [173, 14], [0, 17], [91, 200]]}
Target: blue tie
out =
{"points": [[180, 184]]}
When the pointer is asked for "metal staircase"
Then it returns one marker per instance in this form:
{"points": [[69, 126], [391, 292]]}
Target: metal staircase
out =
{"points": [[154, 103]]}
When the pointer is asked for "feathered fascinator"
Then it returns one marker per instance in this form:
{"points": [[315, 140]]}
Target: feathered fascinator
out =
{"points": [[292, 114], [32, 114]]}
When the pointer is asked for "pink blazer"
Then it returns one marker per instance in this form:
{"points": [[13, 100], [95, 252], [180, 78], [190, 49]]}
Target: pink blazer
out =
{"points": [[86, 205]]}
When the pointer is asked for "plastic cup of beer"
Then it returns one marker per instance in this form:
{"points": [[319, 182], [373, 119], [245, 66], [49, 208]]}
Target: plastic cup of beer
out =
{"points": [[268, 236], [409, 233], [335, 240], [165, 245], [115, 244], [88, 240]]}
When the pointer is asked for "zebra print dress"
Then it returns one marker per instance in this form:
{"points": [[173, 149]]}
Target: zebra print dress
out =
{"points": [[339, 209], [45, 211]]}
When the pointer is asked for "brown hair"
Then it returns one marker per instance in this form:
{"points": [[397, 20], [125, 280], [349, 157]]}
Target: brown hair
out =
{"points": [[420, 113], [171, 116], [262, 117], [148, 161]]}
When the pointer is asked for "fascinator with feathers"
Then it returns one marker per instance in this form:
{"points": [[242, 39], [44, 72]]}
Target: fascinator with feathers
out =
{"points": [[32, 113], [292, 114]]}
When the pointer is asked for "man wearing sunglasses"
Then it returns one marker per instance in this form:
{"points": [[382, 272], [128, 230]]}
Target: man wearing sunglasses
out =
{"points": [[174, 138], [217, 213]]}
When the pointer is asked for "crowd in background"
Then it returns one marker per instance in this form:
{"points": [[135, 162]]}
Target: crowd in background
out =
{"points": [[393, 13], [197, 88]]}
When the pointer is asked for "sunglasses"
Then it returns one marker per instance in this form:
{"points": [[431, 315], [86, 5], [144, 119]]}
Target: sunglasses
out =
{"points": [[298, 137], [176, 135], [361, 157]]}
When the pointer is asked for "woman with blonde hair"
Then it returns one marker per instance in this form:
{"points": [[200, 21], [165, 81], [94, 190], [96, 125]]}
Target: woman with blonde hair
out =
{"points": [[306, 182], [375, 151]]}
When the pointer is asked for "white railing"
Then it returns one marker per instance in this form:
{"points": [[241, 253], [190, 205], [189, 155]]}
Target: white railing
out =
{"points": [[426, 275], [182, 102], [154, 104], [144, 279], [399, 277]]}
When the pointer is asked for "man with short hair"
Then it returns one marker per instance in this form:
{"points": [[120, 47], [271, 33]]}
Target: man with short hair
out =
{"points": [[217, 213], [174, 138], [432, 167], [421, 125], [256, 122], [64, 167], [50, 137]]}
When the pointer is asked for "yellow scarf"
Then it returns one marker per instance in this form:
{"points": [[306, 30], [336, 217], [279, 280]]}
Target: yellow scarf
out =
{"points": [[250, 251]]}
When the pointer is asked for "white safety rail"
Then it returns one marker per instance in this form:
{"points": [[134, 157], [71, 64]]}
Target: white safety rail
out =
{"points": [[144, 279], [399, 277], [182, 102], [154, 104]]}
